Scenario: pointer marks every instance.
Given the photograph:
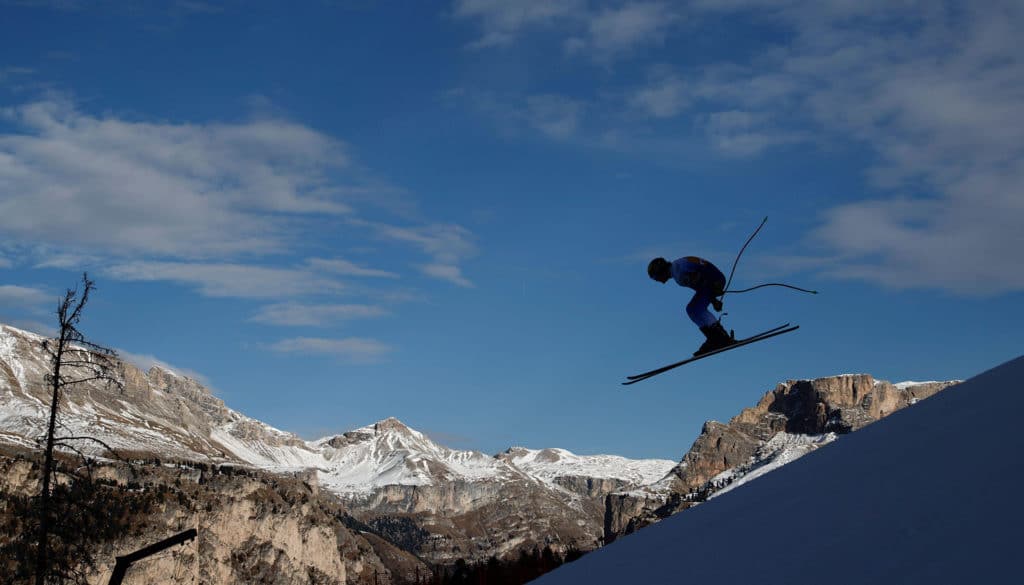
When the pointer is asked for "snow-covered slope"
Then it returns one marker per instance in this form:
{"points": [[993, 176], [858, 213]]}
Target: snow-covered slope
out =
{"points": [[550, 464], [782, 449], [390, 453], [169, 415], [158, 412], [926, 495]]}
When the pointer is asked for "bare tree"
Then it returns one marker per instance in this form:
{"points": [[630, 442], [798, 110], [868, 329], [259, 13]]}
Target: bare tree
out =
{"points": [[73, 360]]}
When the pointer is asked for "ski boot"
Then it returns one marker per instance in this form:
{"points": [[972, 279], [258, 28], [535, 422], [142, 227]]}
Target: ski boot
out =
{"points": [[717, 338]]}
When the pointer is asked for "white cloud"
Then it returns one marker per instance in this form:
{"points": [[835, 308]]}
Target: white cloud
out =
{"points": [[14, 72], [179, 202], [664, 98], [937, 97], [446, 244], [65, 260], [952, 244], [503, 21], [124, 187], [4, 262], [229, 280], [22, 306], [146, 361], [31, 325], [446, 272], [602, 31], [613, 32], [353, 348], [344, 267], [555, 116], [299, 314], [739, 133], [24, 296]]}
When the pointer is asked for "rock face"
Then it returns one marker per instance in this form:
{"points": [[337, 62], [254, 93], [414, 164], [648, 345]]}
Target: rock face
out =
{"points": [[252, 527], [791, 420], [440, 504], [401, 499], [158, 412], [447, 505]]}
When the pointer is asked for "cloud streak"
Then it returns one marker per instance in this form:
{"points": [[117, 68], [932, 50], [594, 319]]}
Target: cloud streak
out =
{"points": [[202, 205], [146, 361], [446, 244], [502, 22], [448, 272], [346, 268], [229, 280], [24, 296], [936, 99], [124, 187], [322, 315], [602, 31], [354, 349], [614, 32]]}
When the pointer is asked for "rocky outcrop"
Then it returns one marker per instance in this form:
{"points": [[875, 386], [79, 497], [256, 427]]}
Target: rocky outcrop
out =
{"points": [[158, 412], [439, 504], [474, 521], [405, 497], [592, 487], [252, 528], [810, 408]]}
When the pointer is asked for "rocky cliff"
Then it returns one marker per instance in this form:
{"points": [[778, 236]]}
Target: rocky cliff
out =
{"points": [[401, 500], [794, 418], [253, 527], [440, 504]]}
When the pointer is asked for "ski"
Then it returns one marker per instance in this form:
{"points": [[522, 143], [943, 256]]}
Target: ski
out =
{"points": [[752, 338], [739, 343]]}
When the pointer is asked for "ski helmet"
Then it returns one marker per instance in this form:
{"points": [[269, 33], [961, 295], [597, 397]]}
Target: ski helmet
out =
{"points": [[656, 267]]}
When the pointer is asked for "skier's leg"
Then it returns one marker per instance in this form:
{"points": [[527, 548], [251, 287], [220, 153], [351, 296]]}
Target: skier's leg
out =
{"points": [[712, 329], [697, 309]]}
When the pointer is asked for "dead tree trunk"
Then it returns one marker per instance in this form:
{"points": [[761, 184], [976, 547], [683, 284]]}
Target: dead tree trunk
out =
{"points": [[73, 360]]}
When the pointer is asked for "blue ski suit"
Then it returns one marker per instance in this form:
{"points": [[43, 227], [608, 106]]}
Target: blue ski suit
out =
{"points": [[708, 282]]}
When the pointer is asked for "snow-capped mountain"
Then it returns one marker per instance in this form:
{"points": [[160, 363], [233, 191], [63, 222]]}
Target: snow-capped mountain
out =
{"points": [[158, 413], [446, 504], [390, 453], [166, 414], [381, 471], [551, 464]]}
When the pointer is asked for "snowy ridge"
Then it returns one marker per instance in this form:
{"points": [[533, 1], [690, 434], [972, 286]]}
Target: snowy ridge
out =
{"points": [[910, 383], [390, 453], [166, 414], [781, 449], [549, 464], [184, 420]]}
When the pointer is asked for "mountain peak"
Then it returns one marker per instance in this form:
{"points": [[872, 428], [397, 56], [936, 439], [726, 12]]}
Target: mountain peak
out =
{"points": [[157, 369], [391, 424], [390, 429]]}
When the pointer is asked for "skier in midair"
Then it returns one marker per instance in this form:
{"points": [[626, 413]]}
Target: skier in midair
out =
{"points": [[708, 282]]}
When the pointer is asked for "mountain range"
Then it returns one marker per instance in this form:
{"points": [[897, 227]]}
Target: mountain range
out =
{"points": [[443, 505]]}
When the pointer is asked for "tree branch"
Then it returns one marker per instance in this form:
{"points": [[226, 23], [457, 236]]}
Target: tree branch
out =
{"points": [[86, 438]]}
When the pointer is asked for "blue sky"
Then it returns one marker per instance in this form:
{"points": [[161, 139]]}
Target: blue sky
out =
{"points": [[337, 212]]}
